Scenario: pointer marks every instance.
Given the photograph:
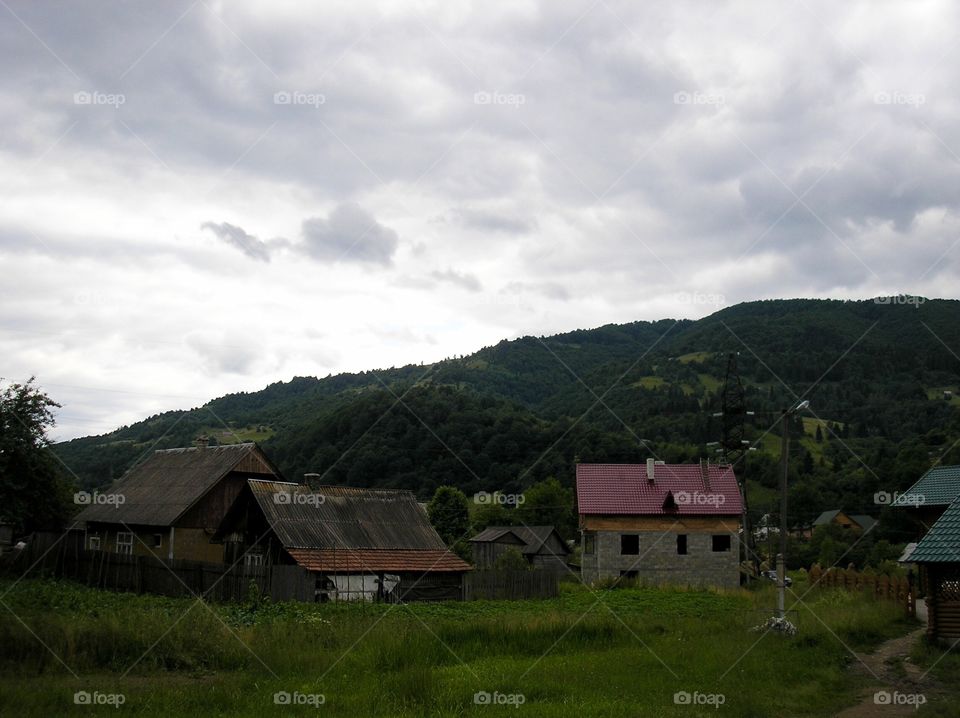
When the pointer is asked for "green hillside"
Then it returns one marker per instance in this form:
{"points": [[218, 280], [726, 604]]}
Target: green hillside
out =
{"points": [[515, 413]]}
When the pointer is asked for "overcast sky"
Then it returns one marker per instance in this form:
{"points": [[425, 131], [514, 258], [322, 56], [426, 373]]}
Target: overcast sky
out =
{"points": [[206, 197]]}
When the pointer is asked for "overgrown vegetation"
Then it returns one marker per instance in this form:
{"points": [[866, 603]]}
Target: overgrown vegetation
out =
{"points": [[621, 652]]}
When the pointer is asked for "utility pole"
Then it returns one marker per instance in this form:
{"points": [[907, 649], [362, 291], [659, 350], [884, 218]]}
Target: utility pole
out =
{"points": [[784, 470]]}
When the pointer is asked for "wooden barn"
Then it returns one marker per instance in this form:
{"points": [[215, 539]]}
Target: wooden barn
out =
{"points": [[660, 523], [361, 544], [937, 555], [541, 546], [171, 504]]}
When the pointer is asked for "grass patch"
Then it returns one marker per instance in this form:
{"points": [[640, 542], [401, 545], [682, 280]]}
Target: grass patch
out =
{"points": [[616, 652]]}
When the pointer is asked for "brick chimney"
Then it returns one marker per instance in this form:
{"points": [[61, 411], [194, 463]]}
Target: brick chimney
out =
{"points": [[705, 473]]}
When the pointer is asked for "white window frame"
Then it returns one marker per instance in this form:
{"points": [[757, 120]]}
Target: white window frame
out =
{"points": [[125, 542], [93, 543], [253, 559]]}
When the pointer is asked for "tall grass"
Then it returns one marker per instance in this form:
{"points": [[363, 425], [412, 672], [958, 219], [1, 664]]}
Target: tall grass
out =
{"points": [[614, 653]]}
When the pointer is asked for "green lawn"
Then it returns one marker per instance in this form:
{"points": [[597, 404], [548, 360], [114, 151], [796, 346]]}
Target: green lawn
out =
{"points": [[621, 652]]}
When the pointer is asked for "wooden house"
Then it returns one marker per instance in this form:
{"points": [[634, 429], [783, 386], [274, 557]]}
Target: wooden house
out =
{"points": [[361, 544], [541, 546], [857, 522], [937, 555], [660, 523], [170, 504]]}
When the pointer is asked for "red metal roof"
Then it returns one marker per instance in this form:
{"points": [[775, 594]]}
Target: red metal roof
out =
{"points": [[625, 489], [377, 560]]}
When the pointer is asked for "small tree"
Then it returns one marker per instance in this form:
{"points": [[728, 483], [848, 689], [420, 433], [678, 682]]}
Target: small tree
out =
{"points": [[511, 560], [492, 514], [33, 491], [548, 503], [449, 513]]}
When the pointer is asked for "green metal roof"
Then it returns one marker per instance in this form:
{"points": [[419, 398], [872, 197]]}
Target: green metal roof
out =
{"points": [[938, 487], [942, 542]]}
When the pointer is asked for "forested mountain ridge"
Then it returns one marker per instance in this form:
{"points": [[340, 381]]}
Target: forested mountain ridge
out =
{"points": [[522, 410]]}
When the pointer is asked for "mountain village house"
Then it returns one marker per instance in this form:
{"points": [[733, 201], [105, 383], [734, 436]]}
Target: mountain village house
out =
{"points": [[660, 523], [171, 504], [360, 544]]}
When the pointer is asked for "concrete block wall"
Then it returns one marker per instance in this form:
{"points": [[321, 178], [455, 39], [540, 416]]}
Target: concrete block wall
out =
{"points": [[659, 563]]}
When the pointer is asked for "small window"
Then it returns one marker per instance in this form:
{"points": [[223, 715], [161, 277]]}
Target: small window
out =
{"points": [[93, 543], [629, 545], [682, 544], [589, 543], [157, 540], [125, 542], [253, 559], [721, 542]]}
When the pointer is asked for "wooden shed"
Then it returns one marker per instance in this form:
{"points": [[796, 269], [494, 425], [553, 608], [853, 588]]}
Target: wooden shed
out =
{"points": [[541, 546]]}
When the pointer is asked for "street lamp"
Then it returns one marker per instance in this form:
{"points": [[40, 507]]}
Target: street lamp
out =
{"points": [[784, 469]]}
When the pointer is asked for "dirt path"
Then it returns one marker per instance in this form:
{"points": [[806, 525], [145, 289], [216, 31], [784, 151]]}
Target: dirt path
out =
{"points": [[892, 672]]}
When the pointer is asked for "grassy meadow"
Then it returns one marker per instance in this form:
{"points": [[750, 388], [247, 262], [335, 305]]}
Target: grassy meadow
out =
{"points": [[614, 652]]}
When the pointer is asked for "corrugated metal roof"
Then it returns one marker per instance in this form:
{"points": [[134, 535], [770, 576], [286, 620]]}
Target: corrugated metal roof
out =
{"points": [[158, 490], [340, 517], [826, 517], [942, 542], [377, 561], [533, 537], [938, 487], [624, 489]]}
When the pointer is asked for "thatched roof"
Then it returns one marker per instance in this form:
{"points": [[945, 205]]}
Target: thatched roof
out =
{"points": [[158, 490]]}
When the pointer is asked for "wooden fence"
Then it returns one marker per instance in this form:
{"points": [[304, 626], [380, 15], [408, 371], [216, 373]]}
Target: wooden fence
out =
{"points": [[892, 588], [65, 558], [510, 585]]}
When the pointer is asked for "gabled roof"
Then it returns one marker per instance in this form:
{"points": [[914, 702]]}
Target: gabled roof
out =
{"points": [[865, 522], [160, 489], [941, 544], [533, 537], [826, 517], [343, 517], [938, 487], [347, 529], [624, 489]]}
